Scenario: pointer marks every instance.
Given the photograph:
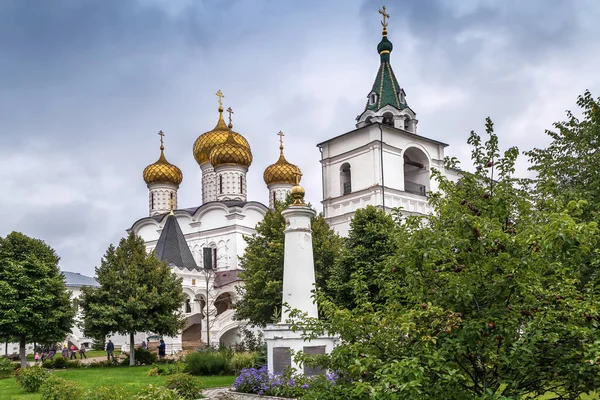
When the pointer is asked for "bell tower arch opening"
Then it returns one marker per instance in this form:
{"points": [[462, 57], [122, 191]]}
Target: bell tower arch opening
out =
{"points": [[416, 171]]}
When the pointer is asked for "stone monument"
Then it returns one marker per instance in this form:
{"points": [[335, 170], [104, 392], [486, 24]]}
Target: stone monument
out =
{"points": [[298, 284]]}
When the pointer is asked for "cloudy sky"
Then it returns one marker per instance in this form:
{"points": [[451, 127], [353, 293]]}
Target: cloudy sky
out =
{"points": [[85, 85]]}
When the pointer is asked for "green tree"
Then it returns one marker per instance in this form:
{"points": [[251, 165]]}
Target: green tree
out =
{"points": [[568, 168], [137, 293], [35, 304], [482, 301], [364, 255], [261, 295]]}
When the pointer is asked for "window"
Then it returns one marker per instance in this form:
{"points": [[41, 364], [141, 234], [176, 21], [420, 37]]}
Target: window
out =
{"points": [[407, 124], [209, 258], [345, 179], [372, 99], [223, 303], [193, 282], [188, 306], [388, 119], [220, 184], [152, 200], [274, 198], [416, 172], [241, 184]]}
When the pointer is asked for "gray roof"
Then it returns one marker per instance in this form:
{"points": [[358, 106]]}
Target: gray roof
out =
{"points": [[172, 246], [75, 279]]}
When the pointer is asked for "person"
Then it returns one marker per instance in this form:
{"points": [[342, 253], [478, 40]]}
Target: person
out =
{"points": [[144, 345], [73, 352], [110, 350], [37, 357], [52, 352], [65, 352], [82, 352], [162, 349]]}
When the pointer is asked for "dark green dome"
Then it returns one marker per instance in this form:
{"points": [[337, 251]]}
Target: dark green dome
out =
{"points": [[384, 45]]}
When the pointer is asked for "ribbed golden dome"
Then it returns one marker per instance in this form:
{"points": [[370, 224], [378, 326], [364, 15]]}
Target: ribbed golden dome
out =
{"points": [[162, 171], [209, 140], [282, 171], [230, 152]]}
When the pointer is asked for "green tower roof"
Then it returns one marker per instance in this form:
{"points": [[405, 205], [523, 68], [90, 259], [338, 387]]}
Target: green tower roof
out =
{"points": [[386, 85]]}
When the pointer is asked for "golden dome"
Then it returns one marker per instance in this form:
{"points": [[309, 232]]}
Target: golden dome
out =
{"points": [[282, 171], [162, 170], [209, 140], [230, 152]]}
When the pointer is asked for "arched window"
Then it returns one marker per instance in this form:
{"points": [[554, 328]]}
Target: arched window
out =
{"points": [[372, 98], [407, 124], [241, 184], [388, 119], [220, 184], [223, 303], [152, 200], [188, 306], [345, 179], [416, 171]]}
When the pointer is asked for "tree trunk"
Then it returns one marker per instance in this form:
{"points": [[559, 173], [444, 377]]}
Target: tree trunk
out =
{"points": [[131, 350], [6, 349], [22, 354]]}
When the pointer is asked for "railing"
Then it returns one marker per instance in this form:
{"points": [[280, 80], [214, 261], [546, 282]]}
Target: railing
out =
{"points": [[415, 188], [347, 188]]}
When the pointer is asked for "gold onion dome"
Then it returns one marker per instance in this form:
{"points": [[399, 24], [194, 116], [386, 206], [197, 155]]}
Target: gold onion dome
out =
{"points": [[282, 171], [162, 170], [230, 152], [206, 142]]}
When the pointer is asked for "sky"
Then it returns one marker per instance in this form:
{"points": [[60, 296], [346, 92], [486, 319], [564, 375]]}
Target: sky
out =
{"points": [[86, 85]]}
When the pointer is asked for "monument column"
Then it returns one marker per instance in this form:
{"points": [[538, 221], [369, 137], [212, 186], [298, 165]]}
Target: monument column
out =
{"points": [[298, 286]]}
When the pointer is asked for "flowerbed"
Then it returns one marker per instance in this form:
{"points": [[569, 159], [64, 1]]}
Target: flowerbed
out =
{"points": [[260, 381]]}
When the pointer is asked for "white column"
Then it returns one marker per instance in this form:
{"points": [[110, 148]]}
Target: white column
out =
{"points": [[298, 264], [159, 197]]}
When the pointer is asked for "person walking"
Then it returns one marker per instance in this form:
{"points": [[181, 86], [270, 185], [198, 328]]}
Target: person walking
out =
{"points": [[73, 352], [52, 352], [82, 352], [144, 345], [65, 352], [162, 347], [110, 350], [36, 358]]}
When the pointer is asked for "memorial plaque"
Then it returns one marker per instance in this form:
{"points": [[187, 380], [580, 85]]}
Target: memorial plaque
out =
{"points": [[282, 359], [313, 350]]}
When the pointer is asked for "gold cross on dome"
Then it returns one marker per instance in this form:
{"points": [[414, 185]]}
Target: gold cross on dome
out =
{"points": [[220, 95], [385, 15], [281, 135], [161, 134], [172, 203], [298, 175], [230, 111]]}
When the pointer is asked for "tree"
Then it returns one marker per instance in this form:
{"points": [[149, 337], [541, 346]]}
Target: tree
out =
{"points": [[137, 293], [364, 255], [568, 168], [481, 300], [261, 295], [35, 304]]}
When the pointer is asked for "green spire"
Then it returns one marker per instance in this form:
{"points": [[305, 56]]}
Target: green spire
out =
{"points": [[386, 88]]}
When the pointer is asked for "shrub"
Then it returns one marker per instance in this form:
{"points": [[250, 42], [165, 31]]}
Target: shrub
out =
{"points": [[6, 368], [74, 364], [239, 361], [157, 393], [31, 378], [185, 385], [142, 357], [207, 362], [107, 393], [47, 364], [55, 388], [59, 362], [168, 369]]}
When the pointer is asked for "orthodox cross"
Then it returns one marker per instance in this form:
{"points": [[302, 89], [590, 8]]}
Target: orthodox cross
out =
{"points": [[161, 134], [220, 95], [230, 111], [385, 15], [281, 135], [297, 175]]}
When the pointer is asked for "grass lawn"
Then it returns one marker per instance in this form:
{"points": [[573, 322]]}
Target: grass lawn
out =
{"points": [[131, 378], [89, 353]]}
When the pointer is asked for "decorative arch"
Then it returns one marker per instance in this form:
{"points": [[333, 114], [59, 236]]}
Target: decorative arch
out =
{"points": [[345, 179], [223, 302]]}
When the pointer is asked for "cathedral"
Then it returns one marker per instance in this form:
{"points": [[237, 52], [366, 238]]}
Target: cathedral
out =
{"points": [[382, 162]]}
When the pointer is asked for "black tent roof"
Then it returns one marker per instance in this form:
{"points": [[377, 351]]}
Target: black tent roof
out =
{"points": [[172, 246]]}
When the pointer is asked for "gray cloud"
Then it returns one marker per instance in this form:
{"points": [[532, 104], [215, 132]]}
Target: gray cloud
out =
{"points": [[87, 84]]}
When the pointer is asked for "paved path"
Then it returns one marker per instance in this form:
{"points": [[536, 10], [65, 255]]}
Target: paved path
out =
{"points": [[216, 393]]}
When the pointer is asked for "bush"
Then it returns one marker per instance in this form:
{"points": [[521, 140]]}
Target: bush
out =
{"points": [[142, 357], [6, 368], [207, 362], [157, 393], [168, 369], [107, 393], [59, 362], [31, 378], [74, 364], [185, 386], [239, 361], [55, 388], [104, 363]]}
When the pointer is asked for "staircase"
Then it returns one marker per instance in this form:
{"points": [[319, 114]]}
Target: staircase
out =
{"points": [[192, 337]]}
